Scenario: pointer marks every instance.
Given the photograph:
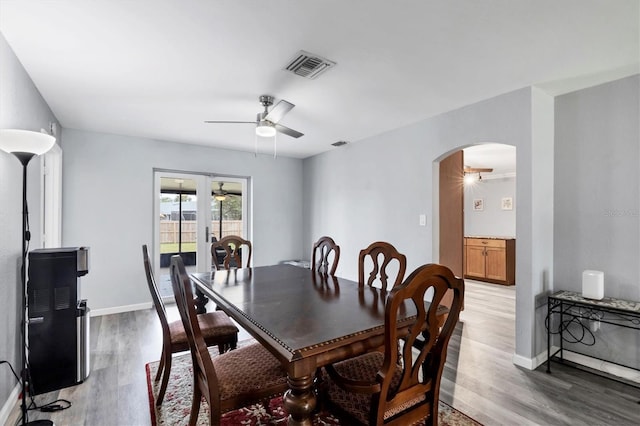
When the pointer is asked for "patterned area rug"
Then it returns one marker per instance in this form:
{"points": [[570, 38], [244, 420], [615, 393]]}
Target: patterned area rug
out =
{"points": [[176, 406]]}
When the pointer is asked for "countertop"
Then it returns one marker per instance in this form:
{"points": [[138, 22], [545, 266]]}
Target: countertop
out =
{"points": [[493, 237]]}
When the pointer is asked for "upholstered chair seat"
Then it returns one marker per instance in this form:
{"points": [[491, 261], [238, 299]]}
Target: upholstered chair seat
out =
{"points": [[260, 371], [216, 327], [364, 369]]}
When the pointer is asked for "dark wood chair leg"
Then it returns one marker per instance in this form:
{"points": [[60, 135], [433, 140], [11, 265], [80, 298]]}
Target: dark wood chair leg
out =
{"points": [[200, 302], [195, 405], [161, 365], [165, 380]]}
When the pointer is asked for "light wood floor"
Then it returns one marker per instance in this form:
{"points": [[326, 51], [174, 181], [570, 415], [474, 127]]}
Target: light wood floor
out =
{"points": [[479, 378]]}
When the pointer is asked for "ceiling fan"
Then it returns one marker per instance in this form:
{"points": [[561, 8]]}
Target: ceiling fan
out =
{"points": [[267, 122], [468, 169], [221, 194]]}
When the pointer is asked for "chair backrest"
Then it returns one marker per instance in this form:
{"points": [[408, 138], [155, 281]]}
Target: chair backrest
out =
{"points": [[381, 254], [414, 395], [236, 248], [153, 289], [203, 370], [323, 250]]}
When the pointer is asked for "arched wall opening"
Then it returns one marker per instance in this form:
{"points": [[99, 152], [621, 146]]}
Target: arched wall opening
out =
{"points": [[474, 194]]}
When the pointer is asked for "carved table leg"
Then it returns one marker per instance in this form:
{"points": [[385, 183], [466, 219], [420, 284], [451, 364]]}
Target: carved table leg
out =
{"points": [[200, 301], [300, 400]]}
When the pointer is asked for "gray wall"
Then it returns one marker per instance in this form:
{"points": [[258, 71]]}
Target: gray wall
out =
{"points": [[21, 107], [492, 221], [377, 188], [108, 205], [597, 207], [576, 204]]}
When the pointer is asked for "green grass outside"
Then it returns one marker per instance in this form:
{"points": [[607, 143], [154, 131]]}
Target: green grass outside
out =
{"points": [[173, 247]]}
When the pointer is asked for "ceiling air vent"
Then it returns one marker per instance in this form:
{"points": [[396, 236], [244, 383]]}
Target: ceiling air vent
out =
{"points": [[308, 65], [339, 143]]}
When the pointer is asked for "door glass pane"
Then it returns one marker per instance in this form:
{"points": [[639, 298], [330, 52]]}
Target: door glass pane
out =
{"points": [[226, 209], [178, 221], [190, 211], [226, 212]]}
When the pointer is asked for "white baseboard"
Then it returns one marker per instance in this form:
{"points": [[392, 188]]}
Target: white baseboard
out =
{"points": [[604, 366], [520, 361], [587, 361], [120, 309], [9, 404]]}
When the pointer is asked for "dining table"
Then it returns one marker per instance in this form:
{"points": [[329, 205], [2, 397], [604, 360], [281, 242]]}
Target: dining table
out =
{"points": [[305, 319]]}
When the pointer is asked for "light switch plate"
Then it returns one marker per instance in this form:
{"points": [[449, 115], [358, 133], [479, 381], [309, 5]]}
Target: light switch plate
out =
{"points": [[423, 220]]}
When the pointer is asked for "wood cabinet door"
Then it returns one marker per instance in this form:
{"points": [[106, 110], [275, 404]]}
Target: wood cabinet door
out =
{"points": [[496, 263], [475, 261]]}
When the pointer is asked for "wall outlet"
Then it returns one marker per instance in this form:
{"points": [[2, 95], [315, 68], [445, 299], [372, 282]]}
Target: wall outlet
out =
{"points": [[423, 220]]}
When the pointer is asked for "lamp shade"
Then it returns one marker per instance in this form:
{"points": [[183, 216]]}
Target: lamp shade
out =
{"points": [[13, 140]]}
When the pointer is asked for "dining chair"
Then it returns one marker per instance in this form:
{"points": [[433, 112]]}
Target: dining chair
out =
{"points": [[325, 251], [388, 253], [399, 385], [380, 255], [235, 248], [217, 329], [230, 380]]}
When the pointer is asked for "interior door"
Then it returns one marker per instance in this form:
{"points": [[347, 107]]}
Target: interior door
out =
{"points": [[451, 215], [451, 212]]}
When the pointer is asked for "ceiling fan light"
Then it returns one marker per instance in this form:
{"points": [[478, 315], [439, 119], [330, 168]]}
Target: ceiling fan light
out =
{"points": [[220, 197], [469, 179], [265, 129]]}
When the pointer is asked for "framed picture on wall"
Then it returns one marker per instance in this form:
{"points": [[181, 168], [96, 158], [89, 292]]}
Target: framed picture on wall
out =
{"points": [[507, 203], [478, 204]]}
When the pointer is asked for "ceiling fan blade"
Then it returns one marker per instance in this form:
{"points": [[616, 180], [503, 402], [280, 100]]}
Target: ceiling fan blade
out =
{"points": [[279, 111], [468, 169], [231, 122], [287, 131]]}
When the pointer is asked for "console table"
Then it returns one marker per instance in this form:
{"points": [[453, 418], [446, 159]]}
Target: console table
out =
{"points": [[571, 307]]}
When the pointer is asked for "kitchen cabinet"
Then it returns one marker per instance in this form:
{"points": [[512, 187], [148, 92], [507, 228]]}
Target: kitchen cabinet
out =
{"points": [[490, 259]]}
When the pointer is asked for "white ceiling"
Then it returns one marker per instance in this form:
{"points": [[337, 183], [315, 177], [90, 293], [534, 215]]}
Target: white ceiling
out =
{"points": [[499, 157], [158, 69]]}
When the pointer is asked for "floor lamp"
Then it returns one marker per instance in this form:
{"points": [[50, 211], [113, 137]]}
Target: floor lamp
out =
{"points": [[25, 144]]}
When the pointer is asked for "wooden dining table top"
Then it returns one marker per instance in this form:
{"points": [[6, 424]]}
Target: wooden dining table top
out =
{"points": [[307, 320], [296, 307]]}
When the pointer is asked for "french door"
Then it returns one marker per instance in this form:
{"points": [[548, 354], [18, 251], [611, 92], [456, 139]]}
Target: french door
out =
{"points": [[189, 210]]}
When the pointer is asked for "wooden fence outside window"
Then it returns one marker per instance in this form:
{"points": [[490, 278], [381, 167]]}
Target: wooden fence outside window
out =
{"points": [[169, 230]]}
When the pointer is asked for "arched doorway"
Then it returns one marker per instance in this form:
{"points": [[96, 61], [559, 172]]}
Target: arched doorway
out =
{"points": [[481, 206]]}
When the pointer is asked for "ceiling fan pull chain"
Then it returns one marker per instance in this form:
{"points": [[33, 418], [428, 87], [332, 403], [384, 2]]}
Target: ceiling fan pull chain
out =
{"points": [[275, 145], [255, 139]]}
